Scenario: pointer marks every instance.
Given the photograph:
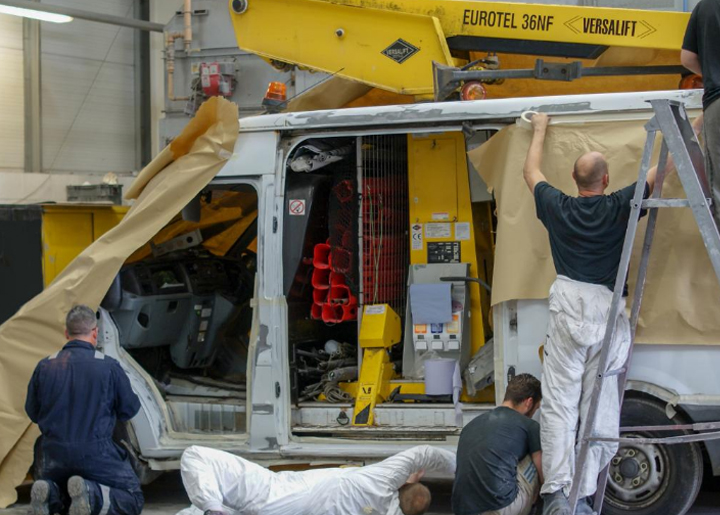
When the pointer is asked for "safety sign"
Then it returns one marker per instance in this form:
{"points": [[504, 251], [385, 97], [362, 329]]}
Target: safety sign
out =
{"points": [[296, 207]]}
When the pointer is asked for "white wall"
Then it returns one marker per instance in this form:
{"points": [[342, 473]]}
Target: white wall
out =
{"points": [[12, 116]]}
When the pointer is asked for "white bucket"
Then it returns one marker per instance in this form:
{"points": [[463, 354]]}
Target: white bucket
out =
{"points": [[439, 376]]}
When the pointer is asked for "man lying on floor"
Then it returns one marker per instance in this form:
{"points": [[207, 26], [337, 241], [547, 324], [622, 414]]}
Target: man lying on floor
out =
{"points": [[221, 483]]}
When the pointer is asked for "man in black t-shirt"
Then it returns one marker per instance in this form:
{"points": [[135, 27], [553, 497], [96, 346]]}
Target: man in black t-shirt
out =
{"points": [[700, 55], [499, 456]]}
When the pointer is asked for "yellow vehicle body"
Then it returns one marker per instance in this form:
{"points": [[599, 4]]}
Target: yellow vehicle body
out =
{"points": [[67, 230], [37, 242], [391, 44]]}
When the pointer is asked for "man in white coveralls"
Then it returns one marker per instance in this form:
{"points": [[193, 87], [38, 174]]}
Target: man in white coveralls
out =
{"points": [[586, 235], [221, 483]]}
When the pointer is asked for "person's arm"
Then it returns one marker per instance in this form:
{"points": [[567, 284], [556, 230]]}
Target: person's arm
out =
{"points": [[32, 403], [531, 171], [200, 480], [697, 126], [412, 462], [689, 53], [537, 461], [691, 61], [127, 403]]}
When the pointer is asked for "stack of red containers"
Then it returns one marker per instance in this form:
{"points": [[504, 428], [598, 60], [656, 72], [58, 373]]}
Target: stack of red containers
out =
{"points": [[333, 301]]}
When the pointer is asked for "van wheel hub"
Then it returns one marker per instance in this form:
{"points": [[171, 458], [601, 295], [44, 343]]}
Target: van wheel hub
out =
{"points": [[637, 472]]}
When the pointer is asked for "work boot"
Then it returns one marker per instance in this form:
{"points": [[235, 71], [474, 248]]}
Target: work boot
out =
{"points": [[554, 504], [79, 495], [584, 506], [39, 497]]}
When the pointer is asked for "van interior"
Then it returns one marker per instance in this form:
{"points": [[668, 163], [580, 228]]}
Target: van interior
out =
{"points": [[384, 214], [368, 220], [183, 309]]}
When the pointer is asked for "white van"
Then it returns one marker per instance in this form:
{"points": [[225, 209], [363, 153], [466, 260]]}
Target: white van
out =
{"points": [[236, 351]]}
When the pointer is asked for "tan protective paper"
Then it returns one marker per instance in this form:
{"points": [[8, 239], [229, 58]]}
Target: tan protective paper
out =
{"points": [[165, 187], [681, 296]]}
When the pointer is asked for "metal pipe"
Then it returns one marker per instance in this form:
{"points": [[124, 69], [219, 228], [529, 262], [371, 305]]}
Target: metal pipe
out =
{"points": [[170, 38], [187, 18], [86, 15]]}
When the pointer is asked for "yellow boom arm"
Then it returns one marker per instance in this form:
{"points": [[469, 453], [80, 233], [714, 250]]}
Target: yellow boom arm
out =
{"points": [[391, 44]]}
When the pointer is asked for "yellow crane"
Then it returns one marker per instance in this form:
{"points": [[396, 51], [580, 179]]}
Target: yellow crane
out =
{"points": [[391, 44]]}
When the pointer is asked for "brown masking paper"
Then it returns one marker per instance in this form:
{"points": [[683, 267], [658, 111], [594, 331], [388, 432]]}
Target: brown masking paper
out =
{"points": [[162, 189], [681, 295]]}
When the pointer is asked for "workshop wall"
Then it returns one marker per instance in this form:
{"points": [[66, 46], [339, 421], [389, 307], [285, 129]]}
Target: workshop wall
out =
{"points": [[12, 127], [88, 104]]}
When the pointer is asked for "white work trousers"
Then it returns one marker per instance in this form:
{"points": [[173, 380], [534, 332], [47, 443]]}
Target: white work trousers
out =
{"points": [[578, 317]]}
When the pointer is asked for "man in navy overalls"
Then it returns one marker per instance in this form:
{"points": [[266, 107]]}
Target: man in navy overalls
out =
{"points": [[75, 396]]}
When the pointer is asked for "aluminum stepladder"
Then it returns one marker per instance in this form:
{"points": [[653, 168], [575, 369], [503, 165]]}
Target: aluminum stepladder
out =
{"points": [[679, 140]]}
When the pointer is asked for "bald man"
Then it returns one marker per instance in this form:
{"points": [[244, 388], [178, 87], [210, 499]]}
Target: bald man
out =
{"points": [[586, 239]]}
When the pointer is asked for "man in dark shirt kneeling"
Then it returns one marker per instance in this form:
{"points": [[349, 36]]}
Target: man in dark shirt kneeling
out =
{"points": [[499, 468]]}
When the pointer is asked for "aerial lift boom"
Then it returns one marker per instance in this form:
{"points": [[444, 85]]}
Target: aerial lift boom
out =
{"points": [[391, 44]]}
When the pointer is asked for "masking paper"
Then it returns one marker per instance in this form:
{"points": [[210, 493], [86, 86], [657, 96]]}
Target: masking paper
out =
{"points": [[161, 190], [681, 294]]}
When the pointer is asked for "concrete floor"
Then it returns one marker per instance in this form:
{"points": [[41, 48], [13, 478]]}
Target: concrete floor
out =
{"points": [[166, 496]]}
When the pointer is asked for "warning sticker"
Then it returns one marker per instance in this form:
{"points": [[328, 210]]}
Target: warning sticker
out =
{"points": [[438, 231], [378, 309], [462, 231], [416, 236], [296, 207]]}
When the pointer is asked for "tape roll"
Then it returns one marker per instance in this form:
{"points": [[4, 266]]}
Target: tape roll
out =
{"points": [[524, 120]]}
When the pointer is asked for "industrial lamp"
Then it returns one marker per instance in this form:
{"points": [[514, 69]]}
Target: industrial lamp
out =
{"points": [[35, 15]]}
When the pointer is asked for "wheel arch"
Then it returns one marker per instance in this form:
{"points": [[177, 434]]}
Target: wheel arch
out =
{"points": [[674, 408]]}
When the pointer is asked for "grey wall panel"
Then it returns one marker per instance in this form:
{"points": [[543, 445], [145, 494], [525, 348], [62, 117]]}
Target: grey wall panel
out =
{"points": [[88, 89], [12, 115], [88, 115]]}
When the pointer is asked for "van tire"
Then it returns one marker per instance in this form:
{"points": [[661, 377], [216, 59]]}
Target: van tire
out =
{"points": [[668, 476]]}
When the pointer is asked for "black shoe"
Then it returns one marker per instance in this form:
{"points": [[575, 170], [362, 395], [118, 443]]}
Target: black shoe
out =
{"points": [[39, 495], [79, 495], [555, 504], [584, 506]]}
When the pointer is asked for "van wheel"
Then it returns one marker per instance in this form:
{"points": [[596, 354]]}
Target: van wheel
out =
{"points": [[651, 479]]}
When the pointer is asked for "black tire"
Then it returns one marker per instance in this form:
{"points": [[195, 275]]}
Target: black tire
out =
{"points": [[667, 477]]}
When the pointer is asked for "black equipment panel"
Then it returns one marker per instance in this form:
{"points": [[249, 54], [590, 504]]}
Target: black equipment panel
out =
{"points": [[443, 252]]}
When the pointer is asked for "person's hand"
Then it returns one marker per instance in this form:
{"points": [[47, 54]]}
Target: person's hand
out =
{"points": [[416, 477], [697, 123], [539, 121]]}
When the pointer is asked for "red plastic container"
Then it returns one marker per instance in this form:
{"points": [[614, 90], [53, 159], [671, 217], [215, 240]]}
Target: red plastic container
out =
{"points": [[321, 255], [321, 278]]}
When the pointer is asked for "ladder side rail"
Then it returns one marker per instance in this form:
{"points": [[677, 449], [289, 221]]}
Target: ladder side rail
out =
{"points": [[693, 145], [636, 304], [612, 316], [689, 178]]}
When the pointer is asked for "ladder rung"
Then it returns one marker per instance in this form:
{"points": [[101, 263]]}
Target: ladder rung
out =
{"points": [[665, 202], [615, 372], [700, 426], [668, 440]]}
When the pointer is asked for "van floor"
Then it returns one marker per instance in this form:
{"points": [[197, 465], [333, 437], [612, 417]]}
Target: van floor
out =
{"points": [[394, 421]]}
